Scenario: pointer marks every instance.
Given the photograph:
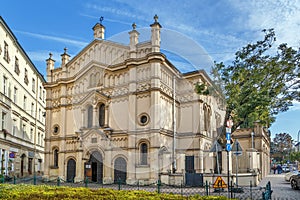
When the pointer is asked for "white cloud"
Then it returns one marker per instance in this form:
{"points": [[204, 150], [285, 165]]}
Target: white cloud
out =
{"points": [[76, 43], [114, 10], [296, 106], [41, 56], [281, 15], [106, 19]]}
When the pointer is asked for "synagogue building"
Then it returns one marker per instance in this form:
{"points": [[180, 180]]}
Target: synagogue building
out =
{"points": [[125, 112]]}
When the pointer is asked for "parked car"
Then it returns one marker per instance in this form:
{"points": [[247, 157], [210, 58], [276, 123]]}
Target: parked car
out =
{"points": [[295, 181], [288, 175], [285, 168]]}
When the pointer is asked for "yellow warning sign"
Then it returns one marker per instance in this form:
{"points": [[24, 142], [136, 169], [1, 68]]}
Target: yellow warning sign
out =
{"points": [[219, 183]]}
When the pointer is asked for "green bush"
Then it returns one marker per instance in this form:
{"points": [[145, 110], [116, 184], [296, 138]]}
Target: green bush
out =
{"points": [[38, 192]]}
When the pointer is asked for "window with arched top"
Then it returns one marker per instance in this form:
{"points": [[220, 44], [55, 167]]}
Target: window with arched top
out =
{"points": [[101, 115], [144, 153], [207, 117], [55, 158], [90, 117]]}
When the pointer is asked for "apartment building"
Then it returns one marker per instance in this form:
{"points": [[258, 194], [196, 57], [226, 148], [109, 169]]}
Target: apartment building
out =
{"points": [[22, 109]]}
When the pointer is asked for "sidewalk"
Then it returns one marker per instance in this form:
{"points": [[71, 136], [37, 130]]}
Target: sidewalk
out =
{"points": [[281, 189]]}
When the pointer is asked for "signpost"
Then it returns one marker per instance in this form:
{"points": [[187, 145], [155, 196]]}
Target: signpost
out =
{"points": [[237, 151], [216, 148], [229, 124]]}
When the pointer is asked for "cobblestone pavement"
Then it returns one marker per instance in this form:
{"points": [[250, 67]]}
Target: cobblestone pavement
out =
{"points": [[281, 189]]}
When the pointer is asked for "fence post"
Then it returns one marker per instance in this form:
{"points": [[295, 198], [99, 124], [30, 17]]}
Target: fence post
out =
{"points": [[181, 188], [86, 181], [158, 186], [251, 190], [268, 193], [119, 184], [58, 181], [231, 186], [206, 188], [14, 179], [34, 179]]}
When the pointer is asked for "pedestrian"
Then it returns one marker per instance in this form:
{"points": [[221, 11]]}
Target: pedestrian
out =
{"points": [[274, 168], [279, 169]]}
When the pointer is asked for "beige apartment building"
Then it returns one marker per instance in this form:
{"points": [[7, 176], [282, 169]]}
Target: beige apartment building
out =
{"points": [[22, 109], [125, 112]]}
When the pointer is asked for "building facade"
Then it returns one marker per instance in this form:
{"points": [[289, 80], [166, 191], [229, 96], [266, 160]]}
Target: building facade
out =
{"points": [[125, 112], [255, 158], [22, 108]]}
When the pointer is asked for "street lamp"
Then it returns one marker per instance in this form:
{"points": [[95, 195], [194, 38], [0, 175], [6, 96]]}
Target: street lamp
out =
{"points": [[298, 140]]}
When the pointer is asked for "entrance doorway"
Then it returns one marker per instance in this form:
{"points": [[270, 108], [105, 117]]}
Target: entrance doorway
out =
{"points": [[94, 167], [120, 170], [22, 164], [71, 170]]}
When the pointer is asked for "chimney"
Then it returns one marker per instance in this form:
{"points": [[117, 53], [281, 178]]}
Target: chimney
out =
{"points": [[99, 30], [134, 40], [50, 66], [65, 57], [155, 35]]}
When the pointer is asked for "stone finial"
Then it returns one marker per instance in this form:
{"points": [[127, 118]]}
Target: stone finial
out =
{"points": [[99, 29], [50, 66], [134, 39], [133, 26], [155, 18], [155, 34], [65, 57]]}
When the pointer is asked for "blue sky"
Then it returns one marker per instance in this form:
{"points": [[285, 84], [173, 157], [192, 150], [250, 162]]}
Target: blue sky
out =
{"points": [[212, 30]]}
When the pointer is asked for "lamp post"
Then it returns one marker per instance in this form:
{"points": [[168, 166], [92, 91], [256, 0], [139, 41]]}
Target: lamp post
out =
{"points": [[298, 140]]}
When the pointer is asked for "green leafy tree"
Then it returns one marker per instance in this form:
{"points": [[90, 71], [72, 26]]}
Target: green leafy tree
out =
{"points": [[261, 82], [282, 146], [295, 156]]}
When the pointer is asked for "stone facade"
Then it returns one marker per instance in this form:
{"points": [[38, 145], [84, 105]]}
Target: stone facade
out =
{"points": [[22, 108], [126, 112], [255, 158]]}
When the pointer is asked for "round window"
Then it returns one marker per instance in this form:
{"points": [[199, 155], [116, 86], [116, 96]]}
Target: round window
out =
{"points": [[143, 119]]}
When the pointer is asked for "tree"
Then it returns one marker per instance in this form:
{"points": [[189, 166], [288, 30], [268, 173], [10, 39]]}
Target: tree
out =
{"points": [[295, 156], [259, 83], [282, 146]]}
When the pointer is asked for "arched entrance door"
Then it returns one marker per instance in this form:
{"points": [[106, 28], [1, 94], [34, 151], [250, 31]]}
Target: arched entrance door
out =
{"points": [[120, 170], [94, 167], [71, 170]]}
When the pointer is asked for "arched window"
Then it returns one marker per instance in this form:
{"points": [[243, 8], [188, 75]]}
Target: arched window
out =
{"points": [[144, 154], [90, 117], [101, 115], [207, 116], [55, 158]]}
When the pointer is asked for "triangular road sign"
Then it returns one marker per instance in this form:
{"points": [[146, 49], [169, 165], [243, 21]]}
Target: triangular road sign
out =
{"points": [[236, 146], [216, 147], [219, 183]]}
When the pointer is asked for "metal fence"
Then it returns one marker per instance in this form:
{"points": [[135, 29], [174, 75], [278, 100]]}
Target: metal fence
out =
{"points": [[244, 192]]}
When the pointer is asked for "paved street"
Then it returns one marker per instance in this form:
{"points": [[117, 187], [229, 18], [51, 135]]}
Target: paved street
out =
{"points": [[281, 189]]}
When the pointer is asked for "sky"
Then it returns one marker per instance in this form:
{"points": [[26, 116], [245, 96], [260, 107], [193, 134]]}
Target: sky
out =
{"points": [[196, 32]]}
